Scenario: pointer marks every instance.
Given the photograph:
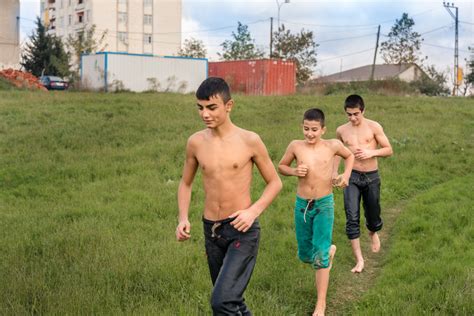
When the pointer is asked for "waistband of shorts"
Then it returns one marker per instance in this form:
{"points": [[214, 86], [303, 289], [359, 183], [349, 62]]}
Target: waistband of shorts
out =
{"points": [[325, 198], [365, 172], [222, 221]]}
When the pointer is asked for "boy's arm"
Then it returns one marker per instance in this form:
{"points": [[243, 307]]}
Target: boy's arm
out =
{"points": [[385, 149], [344, 152], [184, 193], [284, 167], [245, 218], [337, 160]]}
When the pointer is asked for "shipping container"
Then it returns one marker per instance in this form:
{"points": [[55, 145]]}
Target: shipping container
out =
{"points": [[121, 71], [257, 77]]}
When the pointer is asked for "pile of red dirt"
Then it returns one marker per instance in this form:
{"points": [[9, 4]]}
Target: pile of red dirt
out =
{"points": [[22, 79]]}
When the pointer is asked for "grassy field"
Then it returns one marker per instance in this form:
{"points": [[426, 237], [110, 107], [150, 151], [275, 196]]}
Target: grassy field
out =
{"points": [[88, 208]]}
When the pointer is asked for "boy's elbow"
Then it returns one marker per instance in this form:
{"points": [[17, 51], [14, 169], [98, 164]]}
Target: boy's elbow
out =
{"points": [[278, 184], [390, 152], [280, 170]]}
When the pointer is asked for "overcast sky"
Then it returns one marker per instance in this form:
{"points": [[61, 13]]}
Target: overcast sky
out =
{"points": [[344, 29]]}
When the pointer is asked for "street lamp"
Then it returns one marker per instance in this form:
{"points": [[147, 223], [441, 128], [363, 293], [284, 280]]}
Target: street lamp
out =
{"points": [[279, 4]]}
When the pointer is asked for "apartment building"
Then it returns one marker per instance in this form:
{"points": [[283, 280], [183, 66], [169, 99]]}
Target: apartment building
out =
{"points": [[132, 26], [9, 33]]}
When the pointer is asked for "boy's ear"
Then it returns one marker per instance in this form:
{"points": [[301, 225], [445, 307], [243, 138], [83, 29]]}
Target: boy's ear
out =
{"points": [[229, 105], [324, 130]]}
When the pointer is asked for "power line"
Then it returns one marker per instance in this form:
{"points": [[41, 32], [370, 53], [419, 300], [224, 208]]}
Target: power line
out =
{"points": [[345, 38], [346, 55]]}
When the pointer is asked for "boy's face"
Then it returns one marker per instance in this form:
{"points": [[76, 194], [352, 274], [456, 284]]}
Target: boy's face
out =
{"points": [[312, 131], [214, 112], [355, 116]]}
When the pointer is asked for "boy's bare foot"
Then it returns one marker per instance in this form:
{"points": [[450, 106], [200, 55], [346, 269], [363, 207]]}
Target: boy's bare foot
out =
{"points": [[375, 241], [359, 267], [332, 252], [319, 310]]}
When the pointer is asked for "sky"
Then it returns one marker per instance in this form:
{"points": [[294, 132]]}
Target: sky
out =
{"points": [[344, 29]]}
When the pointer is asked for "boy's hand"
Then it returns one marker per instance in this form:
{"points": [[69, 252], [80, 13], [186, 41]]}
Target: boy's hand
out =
{"points": [[334, 179], [183, 231], [243, 219], [361, 154], [341, 181], [301, 170]]}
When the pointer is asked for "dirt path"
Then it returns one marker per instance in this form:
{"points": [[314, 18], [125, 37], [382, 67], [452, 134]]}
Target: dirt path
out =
{"points": [[349, 287]]}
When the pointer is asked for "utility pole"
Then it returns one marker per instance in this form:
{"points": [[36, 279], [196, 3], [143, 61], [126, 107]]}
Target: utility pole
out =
{"points": [[271, 37], [375, 55], [279, 4], [449, 6]]}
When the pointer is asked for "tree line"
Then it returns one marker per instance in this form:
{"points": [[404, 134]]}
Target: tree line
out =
{"points": [[47, 54]]}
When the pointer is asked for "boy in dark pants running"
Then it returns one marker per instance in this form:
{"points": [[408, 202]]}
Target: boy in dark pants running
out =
{"points": [[367, 140], [226, 155]]}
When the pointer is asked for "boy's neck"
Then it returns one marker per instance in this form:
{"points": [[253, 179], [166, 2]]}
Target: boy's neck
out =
{"points": [[223, 130], [320, 141]]}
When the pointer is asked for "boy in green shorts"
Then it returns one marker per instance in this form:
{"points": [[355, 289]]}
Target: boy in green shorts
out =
{"points": [[314, 209]]}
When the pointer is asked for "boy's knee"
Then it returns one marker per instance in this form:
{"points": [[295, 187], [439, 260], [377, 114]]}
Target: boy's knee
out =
{"points": [[320, 261]]}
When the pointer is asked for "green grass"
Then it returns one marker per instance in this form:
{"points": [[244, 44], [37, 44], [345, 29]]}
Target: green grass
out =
{"points": [[429, 270], [88, 208]]}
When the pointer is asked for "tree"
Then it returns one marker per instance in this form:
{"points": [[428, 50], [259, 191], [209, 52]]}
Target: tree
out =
{"points": [[300, 47], [468, 80], [84, 42], [470, 76], [433, 83], [193, 48], [45, 54], [403, 44], [241, 47]]}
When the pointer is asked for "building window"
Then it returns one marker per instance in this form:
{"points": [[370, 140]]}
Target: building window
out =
{"points": [[60, 4], [61, 22], [80, 17], [80, 1], [69, 3], [147, 19], [69, 21], [88, 15], [147, 39], [122, 17], [122, 1], [122, 37], [147, 3]]}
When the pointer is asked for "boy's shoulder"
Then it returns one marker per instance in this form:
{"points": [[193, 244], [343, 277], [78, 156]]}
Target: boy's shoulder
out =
{"points": [[333, 143], [296, 143], [373, 124]]}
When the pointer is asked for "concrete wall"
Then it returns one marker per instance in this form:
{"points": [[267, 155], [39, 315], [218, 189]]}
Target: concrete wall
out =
{"points": [[9, 34], [110, 71]]}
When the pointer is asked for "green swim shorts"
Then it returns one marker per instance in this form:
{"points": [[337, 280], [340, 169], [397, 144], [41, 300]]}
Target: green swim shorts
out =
{"points": [[314, 220]]}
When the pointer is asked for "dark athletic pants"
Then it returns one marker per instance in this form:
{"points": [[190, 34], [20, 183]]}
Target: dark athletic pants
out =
{"points": [[231, 256], [365, 185]]}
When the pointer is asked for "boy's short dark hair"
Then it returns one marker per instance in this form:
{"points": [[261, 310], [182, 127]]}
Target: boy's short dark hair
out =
{"points": [[314, 114], [213, 86], [354, 101]]}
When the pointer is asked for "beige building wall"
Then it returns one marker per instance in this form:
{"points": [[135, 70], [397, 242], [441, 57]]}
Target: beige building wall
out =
{"points": [[411, 74], [132, 26], [9, 34]]}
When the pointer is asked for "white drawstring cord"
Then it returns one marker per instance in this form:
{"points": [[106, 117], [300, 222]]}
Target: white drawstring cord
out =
{"points": [[306, 209]]}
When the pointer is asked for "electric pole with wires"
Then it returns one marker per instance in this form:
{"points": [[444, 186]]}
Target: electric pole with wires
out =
{"points": [[448, 7]]}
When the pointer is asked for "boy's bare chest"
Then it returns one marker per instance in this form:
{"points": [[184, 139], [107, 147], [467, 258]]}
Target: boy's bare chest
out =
{"points": [[315, 158], [220, 158], [361, 137]]}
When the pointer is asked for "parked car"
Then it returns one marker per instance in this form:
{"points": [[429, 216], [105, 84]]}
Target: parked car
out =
{"points": [[54, 83]]}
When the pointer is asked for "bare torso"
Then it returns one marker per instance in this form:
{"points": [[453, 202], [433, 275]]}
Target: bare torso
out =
{"points": [[319, 158], [226, 165], [363, 137]]}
